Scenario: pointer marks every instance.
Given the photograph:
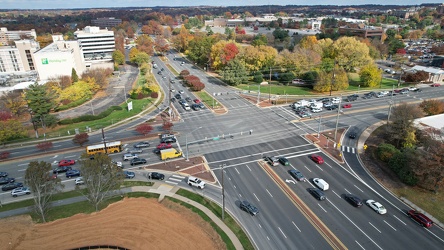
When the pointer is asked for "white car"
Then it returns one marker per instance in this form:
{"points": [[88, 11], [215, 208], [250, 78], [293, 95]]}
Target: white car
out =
{"points": [[412, 89], [181, 91], [384, 92], [321, 184], [316, 110], [79, 181], [379, 95], [196, 182], [336, 100], [380, 209], [20, 191]]}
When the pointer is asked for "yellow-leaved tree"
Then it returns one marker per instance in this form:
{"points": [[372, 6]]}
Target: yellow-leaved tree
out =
{"points": [[350, 53]]}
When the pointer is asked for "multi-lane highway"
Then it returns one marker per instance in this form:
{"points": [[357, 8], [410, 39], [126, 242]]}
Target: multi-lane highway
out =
{"points": [[240, 138]]}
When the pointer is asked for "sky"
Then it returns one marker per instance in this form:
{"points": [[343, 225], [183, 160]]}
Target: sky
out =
{"points": [[72, 4]]}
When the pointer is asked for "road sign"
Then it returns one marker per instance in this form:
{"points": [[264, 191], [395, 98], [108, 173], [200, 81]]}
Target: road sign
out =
{"points": [[216, 138]]}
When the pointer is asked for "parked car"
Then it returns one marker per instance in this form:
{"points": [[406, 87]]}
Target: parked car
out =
{"points": [[79, 181], [164, 146], [347, 105], [11, 186], [4, 180], [195, 106], [137, 161], [201, 105], [420, 218], [249, 208], [129, 174], [316, 158], [72, 173], [188, 99], [296, 174], [117, 163], [284, 161], [178, 96], [435, 85], [64, 163], [196, 101], [142, 144], [353, 199], [316, 110], [378, 207], [131, 156], [156, 176], [3, 174], [20, 191], [61, 169], [318, 194]]}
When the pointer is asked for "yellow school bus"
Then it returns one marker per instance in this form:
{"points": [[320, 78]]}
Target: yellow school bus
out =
{"points": [[111, 147]]}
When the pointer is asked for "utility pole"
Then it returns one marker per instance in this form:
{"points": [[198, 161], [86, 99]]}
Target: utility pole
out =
{"points": [[337, 119], [104, 141], [269, 88], [390, 111], [333, 80]]}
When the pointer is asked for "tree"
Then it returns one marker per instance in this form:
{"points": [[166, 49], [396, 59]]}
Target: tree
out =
{"points": [[101, 177], [431, 172], [416, 77], [144, 128], [118, 57], [432, 107], [40, 102], [351, 53], [370, 75], [81, 138], [259, 40], [44, 145], [222, 52], [280, 34], [401, 123], [332, 81], [11, 129], [74, 76], [140, 58], [234, 73], [14, 101], [43, 186]]}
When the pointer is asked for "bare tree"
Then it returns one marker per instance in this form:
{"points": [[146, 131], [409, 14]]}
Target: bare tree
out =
{"points": [[101, 177], [43, 187], [401, 129]]}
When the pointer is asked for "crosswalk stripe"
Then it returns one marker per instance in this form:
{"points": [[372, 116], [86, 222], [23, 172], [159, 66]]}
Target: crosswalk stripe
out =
{"points": [[178, 176], [172, 182], [353, 150], [174, 179]]}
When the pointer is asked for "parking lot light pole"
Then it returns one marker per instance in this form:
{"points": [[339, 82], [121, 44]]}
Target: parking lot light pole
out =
{"points": [[186, 139]]}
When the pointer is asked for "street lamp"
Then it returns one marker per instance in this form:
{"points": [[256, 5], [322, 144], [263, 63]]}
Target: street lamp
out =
{"points": [[186, 139], [223, 192]]}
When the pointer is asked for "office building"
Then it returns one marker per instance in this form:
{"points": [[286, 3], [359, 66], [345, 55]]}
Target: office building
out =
{"points": [[97, 45], [8, 37], [106, 22]]}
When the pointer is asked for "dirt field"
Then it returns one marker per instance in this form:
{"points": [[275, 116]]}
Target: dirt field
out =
{"points": [[134, 223]]}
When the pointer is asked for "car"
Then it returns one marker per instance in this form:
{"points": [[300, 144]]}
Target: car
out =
{"points": [[11, 186], [178, 96], [353, 199], [332, 107], [20, 191], [137, 161], [304, 114], [51, 176], [284, 161], [171, 81], [79, 181], [173, 99], [159, 72], [412, 88], [168, 140], [72, 173], [317, 158], [172, 90], [352, 135], [420, 218], [188, 99], [316, 110], [5, 180], [186, 106], [384, 92], [181, 91], [323, 100], [347, 106], [3, 174], [166, 135], [336, 100], [321, 184], [273, 161], [435, 85], [327, 104], [182, 63], [61, 169], [117, 163], [318, 194], [378, 207], [352, 97], [249, 208], [164, 77], [64, 163], [164, 146], [201, 105], [197, 101], [296, 174], [404, 91], [156, 176], [196, 182], [182, 102], [142, 144], [195, 106], [156, 151], [379, 95], [129, 174], [131, 156], [417, 90]]}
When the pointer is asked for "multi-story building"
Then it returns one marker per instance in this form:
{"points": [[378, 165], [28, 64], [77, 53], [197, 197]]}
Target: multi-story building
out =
{"points": [[106, 22], [97, 45], [18, 58], [361, 30], [8, 37]]}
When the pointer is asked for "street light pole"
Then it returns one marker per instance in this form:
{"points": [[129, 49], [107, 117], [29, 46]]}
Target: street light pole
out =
{"points": [[337, 119], [223, 193], [186, 140]]}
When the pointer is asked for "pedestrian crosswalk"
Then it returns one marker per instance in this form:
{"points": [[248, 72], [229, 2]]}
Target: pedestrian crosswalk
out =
{"points": [[348, 149], [175, 179]]}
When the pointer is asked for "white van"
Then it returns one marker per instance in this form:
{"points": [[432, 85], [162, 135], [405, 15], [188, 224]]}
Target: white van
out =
{"points": [[321, 184]]}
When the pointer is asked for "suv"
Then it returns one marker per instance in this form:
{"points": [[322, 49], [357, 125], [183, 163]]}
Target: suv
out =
{"points": [[127, 157], [137, 161], [196, 182], [11, 186], [351, 98], [142, 144], [318, 194], [420, 218], [20, 191], [353, 199], [5, 180], [72, 173], [156, 176], [247, 207]]}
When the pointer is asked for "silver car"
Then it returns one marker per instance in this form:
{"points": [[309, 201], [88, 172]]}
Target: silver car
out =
{"points": [[20, 191]]}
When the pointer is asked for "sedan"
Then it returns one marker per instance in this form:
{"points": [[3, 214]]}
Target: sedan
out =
{"points": [[142, 144], [296, 174], [164, 146], [347, 105], [5, 180], [61, 170], [188, 99], [354, 200], [181, 91], [196, 101], [168, 140], [378, 207], [201, 105], [129, 174], [284, 161], [64, 163], [249, 208], [20, 191], [137, 161], [435, 85], [195, 107], [156, 176], [3, 174], [352, 135], [72, 173], [11, 186], [316, 158]]}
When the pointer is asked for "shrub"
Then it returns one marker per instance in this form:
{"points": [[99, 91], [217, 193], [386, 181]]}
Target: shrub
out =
{"points": [[84, 118], [386, 151], [4, 155]]}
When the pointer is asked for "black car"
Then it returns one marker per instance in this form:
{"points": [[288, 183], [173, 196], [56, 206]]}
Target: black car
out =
{"points": [[182, 101], [417, 90], [332, 107], [168, 140], [296, 174], [4, 180], [201, 105], [284, 161], [156, 151], [11, 186], [352, 135], [156, 176], [354, 200], [249, 208], [351, 98], [142, 144], [178, 96], [195, 107], [137, 161], [173, 99], [61, 169], [72, 173], [3, 174], [318, 194]]}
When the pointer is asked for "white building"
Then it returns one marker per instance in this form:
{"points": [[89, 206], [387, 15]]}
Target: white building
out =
{"points": [[6, 37], [59, 58], [97, 45]]}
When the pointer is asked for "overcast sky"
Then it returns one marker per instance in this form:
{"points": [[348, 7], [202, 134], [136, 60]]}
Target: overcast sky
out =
{"points": [[71, 4]]}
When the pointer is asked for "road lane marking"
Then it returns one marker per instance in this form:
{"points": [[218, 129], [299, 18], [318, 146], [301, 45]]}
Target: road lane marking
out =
{"points": [[296, 227], [390, 225], [400, 220], [329, 165], [307, 168], [347, 191], [336, 194], [268, 192], [23, 164], [71, 156], [358, 188], [236, 171], [234, 186], [434, 234], [256, 197], [319, 168], [282, 232], [322, 208], [374, 227], [21, 170], [359, 244], [248, 167]]}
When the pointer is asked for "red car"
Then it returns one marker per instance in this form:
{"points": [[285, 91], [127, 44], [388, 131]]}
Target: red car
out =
{"points": [[196, 101], [420, 218], [64, 163], [435, 85], [317, 159], [164, 145], [347, 105]]}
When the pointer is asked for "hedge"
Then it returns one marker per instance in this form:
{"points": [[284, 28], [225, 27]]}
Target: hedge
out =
{"points": [[84, 118]]}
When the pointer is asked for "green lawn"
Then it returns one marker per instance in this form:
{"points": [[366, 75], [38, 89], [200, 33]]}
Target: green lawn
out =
{"points": [[207, 99], [277, 89]]}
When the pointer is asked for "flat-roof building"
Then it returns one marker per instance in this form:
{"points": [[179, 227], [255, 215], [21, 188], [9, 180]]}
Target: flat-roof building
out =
{"points": [[106, 22], [8, 36], [97, 44]]}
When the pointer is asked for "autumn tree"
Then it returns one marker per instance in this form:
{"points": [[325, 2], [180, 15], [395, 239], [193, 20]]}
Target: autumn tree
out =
{"points": [[14, 102], [350, 53], [11, 129], [333, 81], [432, 107], [401, 129], [80, 138], [140, 58], [308, 42], [416, 77], [144, 128], [118, 57], [256, 58], [222, 52], [370, 75], [234, 73], [431, 172], [43, 187], [101, 177], [259, 40]]}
